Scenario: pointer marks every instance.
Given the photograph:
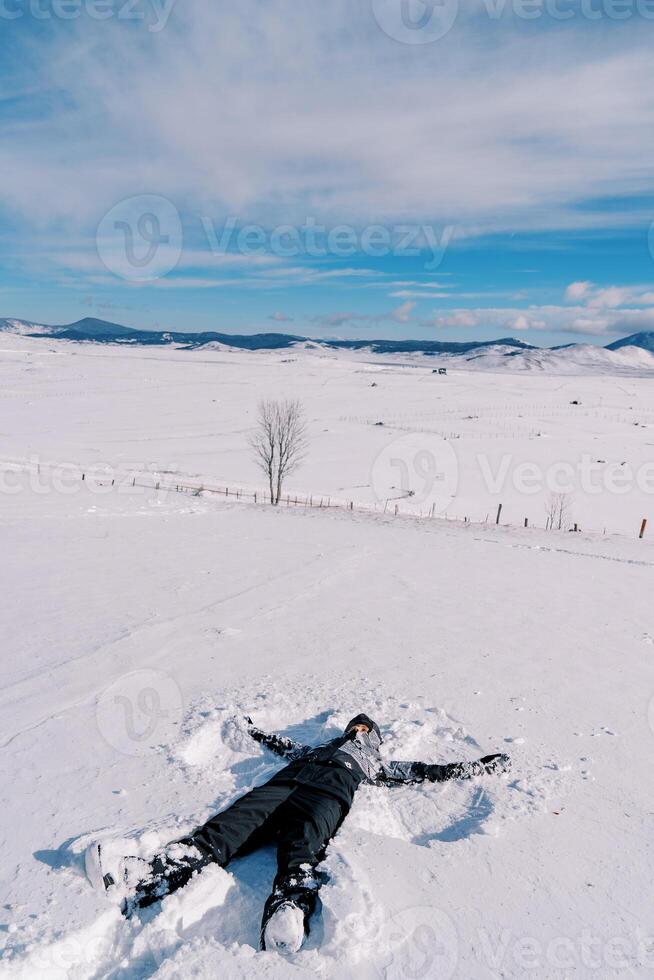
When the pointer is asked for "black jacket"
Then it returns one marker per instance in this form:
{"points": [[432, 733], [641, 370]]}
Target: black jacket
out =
{"points": [[340, 766]]}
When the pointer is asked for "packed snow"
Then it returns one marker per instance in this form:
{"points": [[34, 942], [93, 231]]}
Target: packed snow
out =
{"points": [[141, 626]]}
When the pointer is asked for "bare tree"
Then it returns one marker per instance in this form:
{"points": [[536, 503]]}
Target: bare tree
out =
{"points": [[279, 443], [557, 509]]}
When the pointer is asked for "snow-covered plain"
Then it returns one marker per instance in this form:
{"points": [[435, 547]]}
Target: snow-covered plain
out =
{"points": [[463, 443], [138, 626]]}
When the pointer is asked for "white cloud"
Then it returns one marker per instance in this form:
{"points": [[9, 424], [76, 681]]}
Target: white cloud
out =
{"points": [[577, 290], [416, 294], [331, 118], [609, 297], [593, 328], [461, 318], [522, 323], [569, 320], [403, 312]]}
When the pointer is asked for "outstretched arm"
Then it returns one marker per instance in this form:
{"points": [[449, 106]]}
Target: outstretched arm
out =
{"points": [[284, 747], [420, 772]]}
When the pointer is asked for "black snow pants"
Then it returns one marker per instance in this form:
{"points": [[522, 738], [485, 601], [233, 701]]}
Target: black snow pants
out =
{"points": [[299, 819]]}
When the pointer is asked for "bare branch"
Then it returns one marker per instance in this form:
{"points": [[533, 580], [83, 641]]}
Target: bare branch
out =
{"points": [[558, 508], [279, 443]]}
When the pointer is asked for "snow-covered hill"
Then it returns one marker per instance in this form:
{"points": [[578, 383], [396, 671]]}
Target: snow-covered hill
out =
{"points": [[24, 328], [645, 339], [575, 359], [631, 356]]}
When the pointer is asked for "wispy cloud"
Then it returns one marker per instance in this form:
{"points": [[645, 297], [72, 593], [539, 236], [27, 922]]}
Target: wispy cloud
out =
{"points": [[569, 320], [305, 131], [610, 297], [285, 114], [401, 315]]}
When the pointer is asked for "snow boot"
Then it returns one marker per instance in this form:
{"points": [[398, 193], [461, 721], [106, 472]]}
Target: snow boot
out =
{"points": [[168, 871], [285, 929], [111, 872], [134, 883], [288, 909]]}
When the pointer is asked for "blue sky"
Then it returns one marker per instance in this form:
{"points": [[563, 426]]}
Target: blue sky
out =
{"points": [[382, 168]]}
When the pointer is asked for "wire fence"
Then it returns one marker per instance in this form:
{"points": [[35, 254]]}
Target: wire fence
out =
{"points": [[64, 476]]}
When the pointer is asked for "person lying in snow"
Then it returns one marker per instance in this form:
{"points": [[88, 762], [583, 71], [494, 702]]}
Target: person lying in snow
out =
{"points": [[299, 809]]}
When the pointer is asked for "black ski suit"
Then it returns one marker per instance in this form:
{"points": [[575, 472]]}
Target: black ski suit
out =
{"points": [[300, 809]]}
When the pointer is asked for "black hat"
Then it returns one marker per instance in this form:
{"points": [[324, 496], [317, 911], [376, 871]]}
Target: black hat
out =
{"points": [[364, 720]]}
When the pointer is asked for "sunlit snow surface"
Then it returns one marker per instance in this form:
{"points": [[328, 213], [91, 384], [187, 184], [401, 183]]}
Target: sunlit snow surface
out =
{"points": [[139, 628]]}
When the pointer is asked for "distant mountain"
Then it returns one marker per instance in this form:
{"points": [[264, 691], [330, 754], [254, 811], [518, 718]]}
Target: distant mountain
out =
{"points": [[91, 327], [644, 340], [423, 346], [26, 327], [105, 332], [573, 359], [627, 355]]}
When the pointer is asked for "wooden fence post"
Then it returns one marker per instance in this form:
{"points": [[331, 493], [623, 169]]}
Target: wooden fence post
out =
{"points": [[642, 528]]}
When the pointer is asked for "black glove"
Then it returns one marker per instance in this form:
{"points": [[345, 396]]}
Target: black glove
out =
{"points": [[496, 763]]}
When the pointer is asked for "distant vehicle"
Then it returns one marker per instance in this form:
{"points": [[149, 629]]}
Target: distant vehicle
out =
{"points": [[439, 371]]}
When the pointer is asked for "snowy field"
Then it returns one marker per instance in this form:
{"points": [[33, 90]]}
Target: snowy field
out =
{"points": [[461, 444], [138, 627]]}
